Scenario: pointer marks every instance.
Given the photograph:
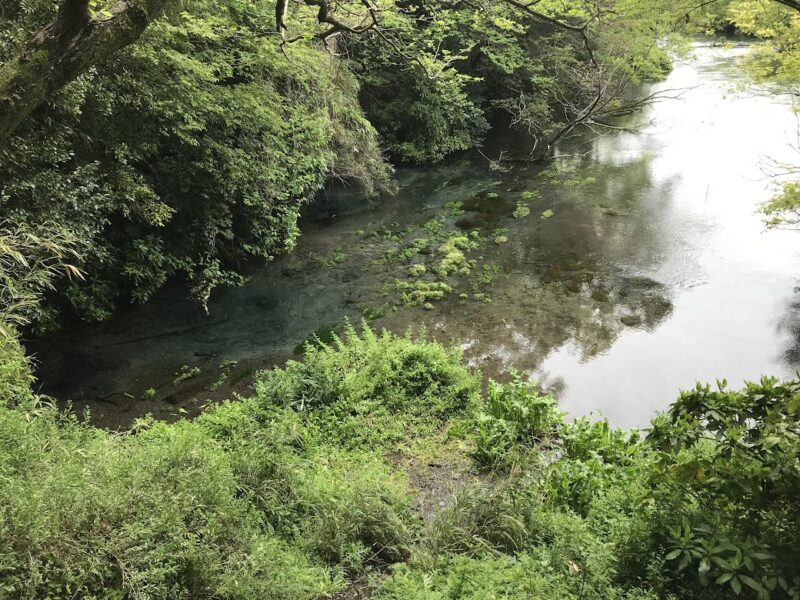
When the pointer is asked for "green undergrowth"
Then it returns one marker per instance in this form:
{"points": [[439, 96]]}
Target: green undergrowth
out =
{"points": [[312, 482]]}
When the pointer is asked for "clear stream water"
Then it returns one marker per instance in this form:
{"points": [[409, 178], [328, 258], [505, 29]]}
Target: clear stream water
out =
{"points": [[654, 271]]}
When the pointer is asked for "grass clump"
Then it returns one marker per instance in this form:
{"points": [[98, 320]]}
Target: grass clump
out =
{"points": [[89, 514], [373, 387], [15, 374], [264, 498]]}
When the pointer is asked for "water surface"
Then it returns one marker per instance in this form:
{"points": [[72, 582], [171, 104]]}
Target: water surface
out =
{"points": [[654, 271]]}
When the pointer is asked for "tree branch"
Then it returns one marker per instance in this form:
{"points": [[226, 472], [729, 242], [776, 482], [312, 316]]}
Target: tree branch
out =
{"points": [[581, 29], [61, 51], [793, 4]]}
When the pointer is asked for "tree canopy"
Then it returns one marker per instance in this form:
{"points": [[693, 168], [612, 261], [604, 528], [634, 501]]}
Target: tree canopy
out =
{"points": [[182, 139]]}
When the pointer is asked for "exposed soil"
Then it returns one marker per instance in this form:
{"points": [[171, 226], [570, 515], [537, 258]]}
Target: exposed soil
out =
{"points": [[436, 482], [356, 590]]}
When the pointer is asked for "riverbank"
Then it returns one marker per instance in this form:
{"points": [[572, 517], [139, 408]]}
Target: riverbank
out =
{"points": [[626, 269], [376, 468]]}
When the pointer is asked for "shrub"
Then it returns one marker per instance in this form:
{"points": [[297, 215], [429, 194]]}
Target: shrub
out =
{"points": [[514, 420], [374, 387], [243, 503], [282, 495], [15, 374], [594, 460], [90, 514], [343, 507], [545, 571], [725, 488]]}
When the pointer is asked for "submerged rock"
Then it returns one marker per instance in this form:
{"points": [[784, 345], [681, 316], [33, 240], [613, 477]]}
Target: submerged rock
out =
{"points": [[631, 320]]}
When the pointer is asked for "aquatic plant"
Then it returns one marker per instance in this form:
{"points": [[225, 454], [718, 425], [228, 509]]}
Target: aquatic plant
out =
{"points": [[418, 293], [521, 211], [416, 270], [455, 208], [185, 373], [337, 258], [453, 258]]}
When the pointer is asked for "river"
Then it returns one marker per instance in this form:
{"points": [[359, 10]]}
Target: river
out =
{"points": [[642, 268]]}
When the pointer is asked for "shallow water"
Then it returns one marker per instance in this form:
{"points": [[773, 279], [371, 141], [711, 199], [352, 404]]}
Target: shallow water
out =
{"points": [[653, 272]]}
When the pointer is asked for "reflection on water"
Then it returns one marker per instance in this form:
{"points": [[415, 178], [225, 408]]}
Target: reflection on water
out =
{"points": [[641, 269]]}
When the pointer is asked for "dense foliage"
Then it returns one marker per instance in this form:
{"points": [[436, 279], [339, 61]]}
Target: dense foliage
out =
{"points": [[193, 150], [290, 493], [188, 153], [466, 65], [775, 62]]}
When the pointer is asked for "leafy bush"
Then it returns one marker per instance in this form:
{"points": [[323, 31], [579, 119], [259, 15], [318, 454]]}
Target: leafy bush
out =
{"points": [[522, 577], [153, 515], [186, 153], [245, 502], [725, 487], [507, 542], [513, 421], [373, 387], [285, 494], [595, 460]]}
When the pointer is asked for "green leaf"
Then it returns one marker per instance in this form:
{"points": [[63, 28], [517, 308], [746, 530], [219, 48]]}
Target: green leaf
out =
{"points": [[736, 585], [674, 554], [751, 582]]}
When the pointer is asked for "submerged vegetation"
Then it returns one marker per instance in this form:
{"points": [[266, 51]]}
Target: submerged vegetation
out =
{"points": [[309, 484]]}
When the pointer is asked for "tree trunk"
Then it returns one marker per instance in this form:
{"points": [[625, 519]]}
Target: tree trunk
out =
{"points": [[62, 50]]}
